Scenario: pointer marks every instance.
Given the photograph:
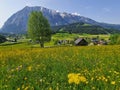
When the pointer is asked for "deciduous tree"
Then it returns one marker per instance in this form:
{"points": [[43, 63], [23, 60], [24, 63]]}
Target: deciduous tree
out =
{"points": [[39, 28]]}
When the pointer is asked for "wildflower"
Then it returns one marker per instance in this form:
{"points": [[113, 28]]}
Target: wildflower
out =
{"points": [[50, 88], [17, 69], [25, 78], [86, 82], [106, 80], [18, 88], [76, 78], [100, 78], [92, 79], [29, 68], [20, 66], [116, 72], [23, 86], [93, 88], [108, 76], [103, 78], [26, 88], [12, 70], [113, 82], [82, 79]]}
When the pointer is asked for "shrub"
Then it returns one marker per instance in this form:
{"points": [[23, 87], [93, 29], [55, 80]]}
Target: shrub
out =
{"points": [[115, 39], [2, 39]]}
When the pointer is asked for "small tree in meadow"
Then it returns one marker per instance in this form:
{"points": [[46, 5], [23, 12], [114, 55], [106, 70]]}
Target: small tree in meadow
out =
{"points": [[39, 28]]}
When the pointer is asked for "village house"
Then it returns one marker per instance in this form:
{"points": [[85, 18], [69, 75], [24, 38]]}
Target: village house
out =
{"points": [[81, 42]]}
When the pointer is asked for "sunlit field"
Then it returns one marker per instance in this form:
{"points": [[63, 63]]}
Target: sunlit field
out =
{"points": [[60, 68]]}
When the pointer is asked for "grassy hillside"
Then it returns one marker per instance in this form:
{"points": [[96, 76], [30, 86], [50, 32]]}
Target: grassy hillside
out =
{"points": [[73, 35], [82, 28], [60, 68]]}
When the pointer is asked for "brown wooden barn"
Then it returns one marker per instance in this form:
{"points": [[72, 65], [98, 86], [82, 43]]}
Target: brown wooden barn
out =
{"points": [[81, 42]]}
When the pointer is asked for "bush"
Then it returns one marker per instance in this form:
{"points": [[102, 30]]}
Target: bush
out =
{"points": [[2, 39], [115, 39]]}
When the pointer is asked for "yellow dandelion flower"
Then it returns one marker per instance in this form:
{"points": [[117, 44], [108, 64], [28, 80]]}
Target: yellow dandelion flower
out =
{"points": [[86, 82], [100, 78], [93, 88], [18, 88], [23, 86], [17, 69], [12, 70], [108, 76], [92, 79], [29, 68], [103, 78], [116, 72], [25, 78], [76, 78], [82, 79], [113, 82], [20, 66], [106, 80], [50, 88], [26, 88]]}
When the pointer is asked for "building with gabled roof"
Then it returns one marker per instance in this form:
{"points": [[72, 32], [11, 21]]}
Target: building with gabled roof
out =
{"points": [[81, 42]]}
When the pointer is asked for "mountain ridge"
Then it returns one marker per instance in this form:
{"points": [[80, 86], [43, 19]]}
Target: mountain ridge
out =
{"points": [[17, 23]]}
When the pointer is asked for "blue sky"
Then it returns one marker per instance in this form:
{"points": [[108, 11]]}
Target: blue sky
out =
{"points": [[99, 10]]}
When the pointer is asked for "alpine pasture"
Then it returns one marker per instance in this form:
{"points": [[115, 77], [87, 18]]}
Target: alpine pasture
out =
{"points": [[23, 67]]}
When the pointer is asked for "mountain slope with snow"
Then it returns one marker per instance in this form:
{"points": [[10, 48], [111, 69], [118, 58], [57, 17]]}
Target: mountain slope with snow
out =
{"points": [[17, 23]]}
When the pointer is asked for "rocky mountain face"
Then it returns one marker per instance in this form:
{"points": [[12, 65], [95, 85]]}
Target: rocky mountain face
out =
{"points": [[17, 23]]}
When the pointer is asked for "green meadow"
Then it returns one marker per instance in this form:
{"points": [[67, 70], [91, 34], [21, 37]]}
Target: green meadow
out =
{"points": [[25, 66]]}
